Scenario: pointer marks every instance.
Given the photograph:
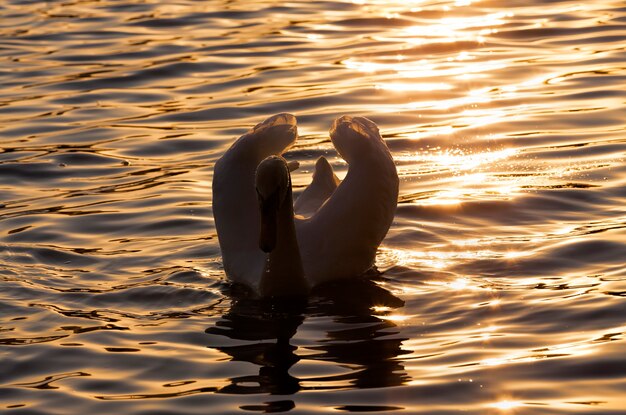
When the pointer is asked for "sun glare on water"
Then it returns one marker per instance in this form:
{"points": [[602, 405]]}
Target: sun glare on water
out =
{"points": [[498, 285], [505, 405]]}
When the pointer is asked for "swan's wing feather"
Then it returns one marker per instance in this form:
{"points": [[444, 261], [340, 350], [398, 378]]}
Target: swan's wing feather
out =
{"points": [[270, 137], [340, 240], [235, 205], [321, 188]]}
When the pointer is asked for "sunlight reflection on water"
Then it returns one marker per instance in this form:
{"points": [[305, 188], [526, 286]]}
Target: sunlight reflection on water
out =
{"points": [[503, 275]]}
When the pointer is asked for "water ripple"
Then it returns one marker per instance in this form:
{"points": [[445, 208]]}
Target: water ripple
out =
{"points": [[503, 280]]}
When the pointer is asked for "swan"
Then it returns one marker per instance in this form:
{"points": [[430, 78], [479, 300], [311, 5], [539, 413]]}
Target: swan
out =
{"points": [[278, 248]]}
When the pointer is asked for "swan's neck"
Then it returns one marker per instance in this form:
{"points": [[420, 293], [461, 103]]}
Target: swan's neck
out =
{"points": [[283, 274]]}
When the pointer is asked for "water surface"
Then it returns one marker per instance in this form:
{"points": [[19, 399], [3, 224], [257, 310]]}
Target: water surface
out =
{"points": [[504, 273]]}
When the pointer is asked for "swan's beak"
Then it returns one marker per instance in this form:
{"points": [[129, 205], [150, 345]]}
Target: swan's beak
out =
{"points": [[269, 220], [292, 165]]}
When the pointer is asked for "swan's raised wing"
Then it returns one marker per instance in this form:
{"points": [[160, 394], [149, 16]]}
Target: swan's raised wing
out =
{"points": [[321, 188], [341, 239], [235, 205], [271, 137]]}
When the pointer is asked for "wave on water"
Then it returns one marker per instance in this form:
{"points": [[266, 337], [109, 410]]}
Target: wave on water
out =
{"points": [[502, 285]]}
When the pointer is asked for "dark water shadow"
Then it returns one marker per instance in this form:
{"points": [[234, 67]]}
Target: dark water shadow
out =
{"points": [[355, 339], [267, 328]]}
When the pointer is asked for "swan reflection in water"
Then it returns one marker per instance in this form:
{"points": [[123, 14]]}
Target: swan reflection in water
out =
{"points": [[362, 340]]}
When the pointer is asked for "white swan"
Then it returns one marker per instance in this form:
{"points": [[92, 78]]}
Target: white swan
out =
{"points": [[337, 225]]}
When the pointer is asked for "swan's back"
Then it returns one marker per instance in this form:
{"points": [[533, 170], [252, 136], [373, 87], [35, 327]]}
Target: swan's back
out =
{"points": [[319, 191]]}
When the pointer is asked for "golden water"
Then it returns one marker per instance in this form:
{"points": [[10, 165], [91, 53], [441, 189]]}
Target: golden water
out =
{"points": [[504, 285]]}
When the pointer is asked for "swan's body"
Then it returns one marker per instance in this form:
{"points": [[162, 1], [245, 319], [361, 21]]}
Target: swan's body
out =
{"points": [[342, 223]]}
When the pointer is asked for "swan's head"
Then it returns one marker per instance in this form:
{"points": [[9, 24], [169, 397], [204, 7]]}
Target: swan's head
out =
{"points": [[273, 184]]}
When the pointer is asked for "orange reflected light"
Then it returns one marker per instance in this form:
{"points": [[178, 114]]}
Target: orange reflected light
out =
{"points": [[580, 348], [467, 184], [432, 71], [448, 197], [421, 68], [396, 318], [476, 178], [480, 118], [439, 259], [458, 160], [407, 87], [506, 405], [405, 5], [516, 254], [388, 3], [488, 333], [459, 284], [453, 28], [448, 29], [473, 97]]}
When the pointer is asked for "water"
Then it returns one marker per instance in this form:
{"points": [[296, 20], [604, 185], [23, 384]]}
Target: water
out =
{"points": [[504, 277]]}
